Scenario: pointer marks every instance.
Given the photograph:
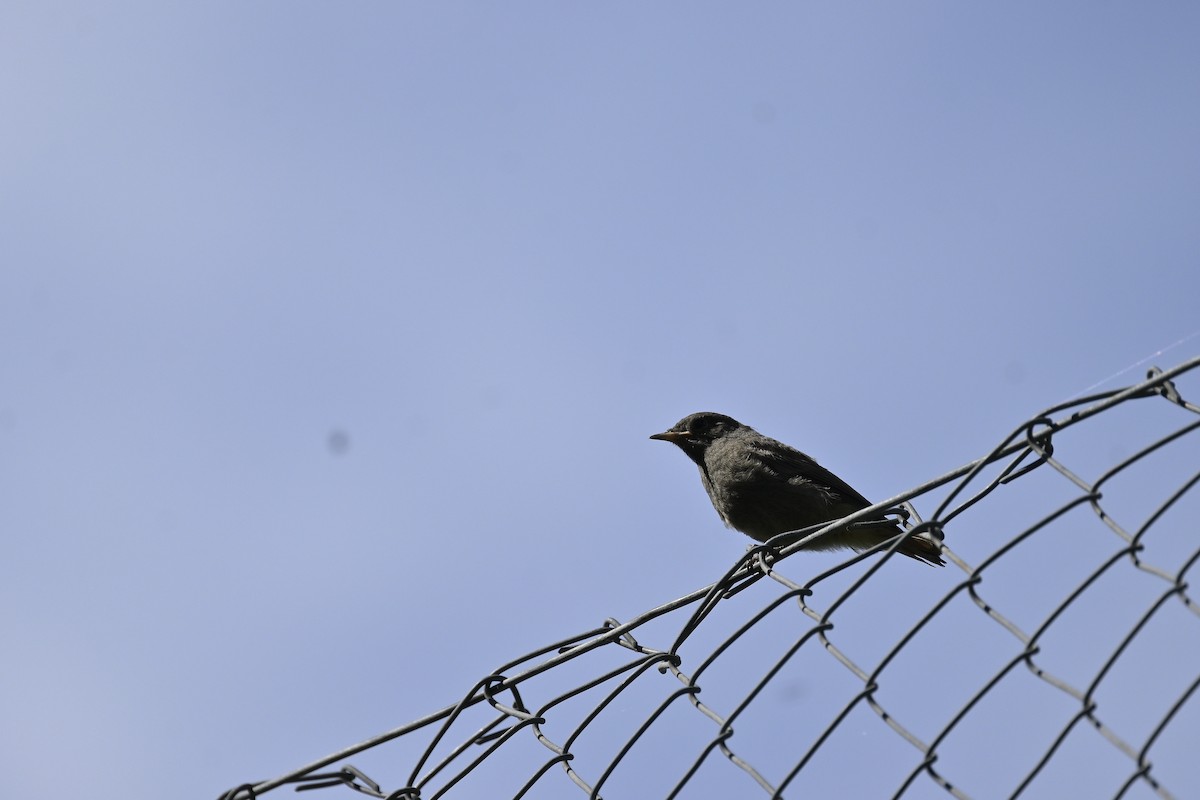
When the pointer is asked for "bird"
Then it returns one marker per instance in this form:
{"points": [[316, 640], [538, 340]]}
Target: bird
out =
{"points": [[763, 487]]}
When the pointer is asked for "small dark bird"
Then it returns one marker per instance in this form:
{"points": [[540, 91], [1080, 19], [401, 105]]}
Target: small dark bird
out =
{"points": [[762, 487]]}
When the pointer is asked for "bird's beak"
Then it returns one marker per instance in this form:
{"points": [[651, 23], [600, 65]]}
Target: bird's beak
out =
{"points": [[672, 436]]}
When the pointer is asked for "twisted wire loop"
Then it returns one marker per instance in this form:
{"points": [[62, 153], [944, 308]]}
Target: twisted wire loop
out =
{"points": [[1058, 655]]}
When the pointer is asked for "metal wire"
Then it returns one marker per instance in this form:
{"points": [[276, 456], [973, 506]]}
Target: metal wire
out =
{"points": [[492, 728]]}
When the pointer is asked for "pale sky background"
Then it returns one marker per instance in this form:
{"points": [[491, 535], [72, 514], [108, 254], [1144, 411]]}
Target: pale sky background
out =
{"points": [[490, 248]]}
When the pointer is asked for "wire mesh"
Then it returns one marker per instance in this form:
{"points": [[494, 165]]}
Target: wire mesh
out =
{"points": [[1058, 654]]}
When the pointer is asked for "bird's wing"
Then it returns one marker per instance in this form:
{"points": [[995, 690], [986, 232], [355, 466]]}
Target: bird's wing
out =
{"points": [[790, 461]]}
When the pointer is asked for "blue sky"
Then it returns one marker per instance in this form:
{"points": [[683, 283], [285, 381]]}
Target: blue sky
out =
{"points": [[495, 247]]}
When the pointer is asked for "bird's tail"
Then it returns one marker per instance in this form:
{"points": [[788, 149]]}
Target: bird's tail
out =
{"points": [[923, 548]]}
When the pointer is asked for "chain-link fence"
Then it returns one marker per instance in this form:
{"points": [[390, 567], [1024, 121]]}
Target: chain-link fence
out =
{"points": [[1058, 655]]}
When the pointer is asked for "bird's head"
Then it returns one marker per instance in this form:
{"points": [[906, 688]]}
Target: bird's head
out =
{"points": [[695, 432]]}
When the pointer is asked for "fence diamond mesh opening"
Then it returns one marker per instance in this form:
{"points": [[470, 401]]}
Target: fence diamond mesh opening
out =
{"points": [[1057, 655]]}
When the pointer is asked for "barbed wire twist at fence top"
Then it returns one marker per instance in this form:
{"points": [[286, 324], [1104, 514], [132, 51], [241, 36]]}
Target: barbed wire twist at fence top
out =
{"points": [[1072, 672]]}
